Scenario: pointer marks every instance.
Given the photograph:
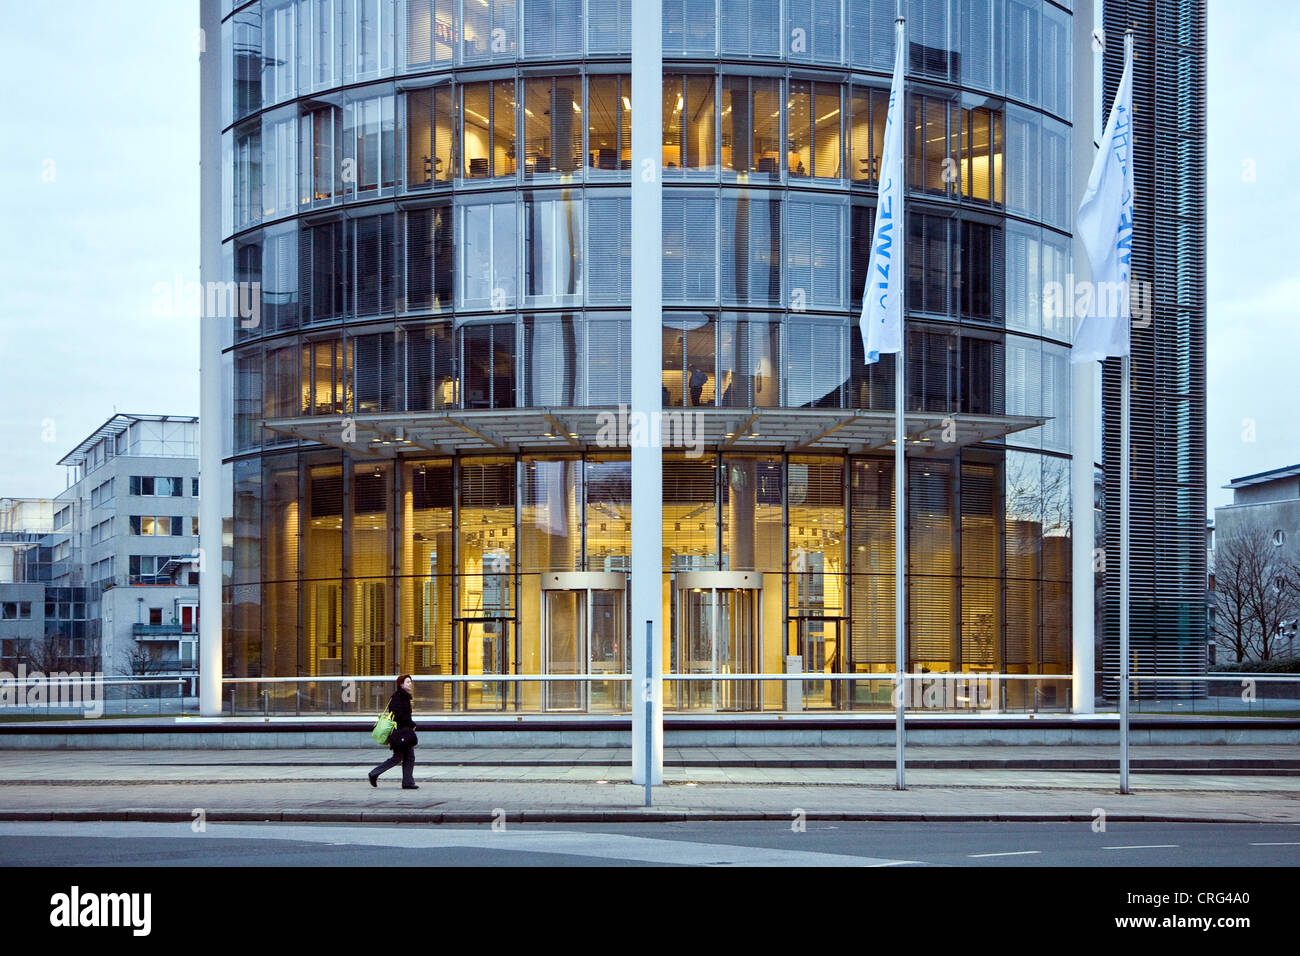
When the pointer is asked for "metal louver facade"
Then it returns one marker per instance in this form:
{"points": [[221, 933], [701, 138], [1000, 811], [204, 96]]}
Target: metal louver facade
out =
{"points": [[1167, 521]]}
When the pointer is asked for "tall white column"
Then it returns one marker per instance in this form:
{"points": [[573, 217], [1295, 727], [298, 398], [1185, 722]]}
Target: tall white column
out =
{"points": [[647, 386], [1084, 399], [210, 410]]}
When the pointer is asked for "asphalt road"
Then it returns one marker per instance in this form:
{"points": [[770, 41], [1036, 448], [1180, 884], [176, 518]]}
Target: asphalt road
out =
{"points": [[658, 844]]}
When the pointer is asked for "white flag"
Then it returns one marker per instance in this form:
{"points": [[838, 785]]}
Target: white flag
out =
{"points": [[882, 299], [1105, 224]]}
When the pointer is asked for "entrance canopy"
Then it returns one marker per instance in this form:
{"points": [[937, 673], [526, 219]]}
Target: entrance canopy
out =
{"points": [[855, 431]]}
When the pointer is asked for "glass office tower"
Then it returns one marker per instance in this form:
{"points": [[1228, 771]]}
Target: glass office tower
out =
{"points": [[434, 198]]}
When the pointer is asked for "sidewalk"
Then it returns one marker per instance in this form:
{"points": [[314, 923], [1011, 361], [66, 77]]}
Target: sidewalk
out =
{"points": [[575, 785]]}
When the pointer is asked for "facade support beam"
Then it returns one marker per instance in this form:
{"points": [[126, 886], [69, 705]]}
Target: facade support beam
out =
{"points": [[647, 388]]}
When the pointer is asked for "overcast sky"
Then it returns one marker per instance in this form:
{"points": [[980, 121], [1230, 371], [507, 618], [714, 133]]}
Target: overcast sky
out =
{"points": [[100, 161]]}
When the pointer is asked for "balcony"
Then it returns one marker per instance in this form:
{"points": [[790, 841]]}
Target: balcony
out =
{"points": [[157, 632]]}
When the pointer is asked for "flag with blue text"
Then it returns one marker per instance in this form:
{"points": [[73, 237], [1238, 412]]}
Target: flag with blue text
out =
{"points": [[1105, 224], [882, 299]]}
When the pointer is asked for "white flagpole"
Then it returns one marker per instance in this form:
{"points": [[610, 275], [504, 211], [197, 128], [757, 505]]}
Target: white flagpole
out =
{"points": [[1125, 365], [900, 474]]}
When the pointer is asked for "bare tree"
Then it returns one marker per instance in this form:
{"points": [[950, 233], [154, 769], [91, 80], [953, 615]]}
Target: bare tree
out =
{"points": [[138, 661], [46, 654], [1256, 592]]}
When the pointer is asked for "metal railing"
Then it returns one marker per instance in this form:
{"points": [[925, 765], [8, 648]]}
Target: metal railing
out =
{"points": [[730, 692], [90, 696]]}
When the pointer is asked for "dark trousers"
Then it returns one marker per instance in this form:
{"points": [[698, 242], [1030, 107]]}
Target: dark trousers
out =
{"points": [[406, 757]]}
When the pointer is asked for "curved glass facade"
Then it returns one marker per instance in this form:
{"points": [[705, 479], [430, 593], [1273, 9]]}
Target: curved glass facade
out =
{"points": [[433, 198]]}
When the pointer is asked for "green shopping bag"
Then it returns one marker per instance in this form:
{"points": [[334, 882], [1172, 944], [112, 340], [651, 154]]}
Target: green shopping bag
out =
{"points": [[383, 727]]}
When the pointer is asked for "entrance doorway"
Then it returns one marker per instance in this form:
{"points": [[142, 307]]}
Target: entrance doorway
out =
{"points": [[818, 640], [486, 646], [717, 629], [584, 631]]}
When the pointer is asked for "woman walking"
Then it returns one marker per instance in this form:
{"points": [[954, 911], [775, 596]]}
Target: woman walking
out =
{"points": [[402, 739]]}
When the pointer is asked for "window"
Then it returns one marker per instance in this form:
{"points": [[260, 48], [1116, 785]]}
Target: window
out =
{"points": [[1023, 285], [689, 27], [155, 616], [981, 156], [751, 248], [935, 141], [377, 372], [279, 278], [749, 360], [156, 525], [1023, 63], [488, 358], [980, 45], [553, 248], [608, 359], [815, 364], [490, 29], [814, 30], [690, 124], [487, 136], [609, 26], [320, 266], [323, 377], [430, 32], [320, 143], [751, 126], [981, 280], [552, 125], [932, 280], [868, 109], [316, 49], [248, 175], [815, 238], [194, 487], [282, 394], [1056, 61], [609, 248], [816, 145], [430, 368], [552, 27], [246, 68], [367, 41], [552, 367], [931, 43], [278, 59], [690, 267], [430, 126], [487, 267], [690, 360], [430, 258], [1024, 175], [750, 27], [609, 126], [369, 140], [1056, 174], [373, 269]]}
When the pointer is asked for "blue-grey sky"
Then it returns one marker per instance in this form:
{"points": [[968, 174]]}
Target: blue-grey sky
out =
{"points": [[100, 161]]}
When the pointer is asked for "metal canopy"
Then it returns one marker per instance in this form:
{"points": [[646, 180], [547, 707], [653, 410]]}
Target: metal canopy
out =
{"points": [[487, 431]]}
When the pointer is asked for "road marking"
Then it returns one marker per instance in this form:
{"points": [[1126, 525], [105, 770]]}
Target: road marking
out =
{"points": [[976, 856], [601, 845], [1148, 846], [1275, 844]]}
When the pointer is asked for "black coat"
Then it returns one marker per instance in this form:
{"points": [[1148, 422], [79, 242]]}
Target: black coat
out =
{"points": [[400, 706]]}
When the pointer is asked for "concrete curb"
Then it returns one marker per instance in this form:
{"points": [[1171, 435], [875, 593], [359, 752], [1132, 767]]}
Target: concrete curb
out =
{"points": [[628, 815]]}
